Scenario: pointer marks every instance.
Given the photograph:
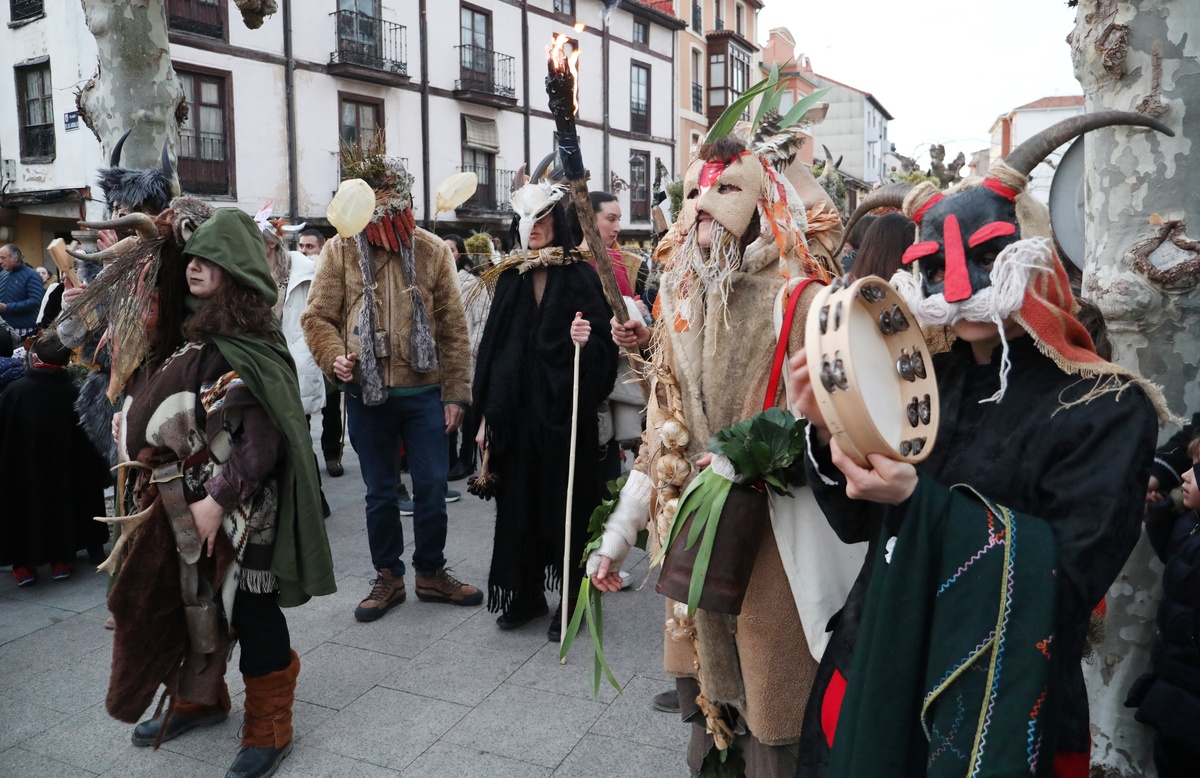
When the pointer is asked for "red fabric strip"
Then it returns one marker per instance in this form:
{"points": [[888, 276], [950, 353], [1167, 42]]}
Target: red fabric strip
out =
{"points": [[919, 250], [831, 705], [920, 214], [1071, 764], [1007, 193], [781, 347], [958, 283], [989, 231]]}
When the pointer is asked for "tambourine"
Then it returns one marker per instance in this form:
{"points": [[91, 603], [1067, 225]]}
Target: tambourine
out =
{"points": [[871, 371]]}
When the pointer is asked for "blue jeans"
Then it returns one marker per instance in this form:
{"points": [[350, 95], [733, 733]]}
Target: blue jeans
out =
{"points": [[375, 433]]}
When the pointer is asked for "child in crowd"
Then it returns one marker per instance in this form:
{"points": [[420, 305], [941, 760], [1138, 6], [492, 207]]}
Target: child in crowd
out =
{"points": [[1168, 695]]}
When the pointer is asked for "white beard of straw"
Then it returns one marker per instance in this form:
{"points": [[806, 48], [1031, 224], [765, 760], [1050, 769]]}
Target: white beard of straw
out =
{"points": [[704, 270], [1010, 277]]}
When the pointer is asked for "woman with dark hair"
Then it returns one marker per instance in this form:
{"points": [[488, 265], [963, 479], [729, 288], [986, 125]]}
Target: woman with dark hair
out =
{"points": [[883, 246], [854, 240], [230, 524], [523, 390], [459, 249]]}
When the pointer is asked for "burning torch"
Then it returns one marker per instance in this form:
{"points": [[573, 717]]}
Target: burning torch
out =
{"points": [[563, 88]]}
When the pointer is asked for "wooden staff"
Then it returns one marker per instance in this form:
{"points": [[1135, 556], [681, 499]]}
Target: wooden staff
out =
{"points": [[566, 599]]}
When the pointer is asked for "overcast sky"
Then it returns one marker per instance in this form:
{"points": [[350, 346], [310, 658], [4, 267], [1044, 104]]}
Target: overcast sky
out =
{"points": [[945, 69]]}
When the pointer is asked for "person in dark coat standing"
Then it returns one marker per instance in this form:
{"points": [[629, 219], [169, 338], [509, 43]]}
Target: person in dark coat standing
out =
{"points": [[20, 291], [47, 514], [523, 388], [1168, 695]]}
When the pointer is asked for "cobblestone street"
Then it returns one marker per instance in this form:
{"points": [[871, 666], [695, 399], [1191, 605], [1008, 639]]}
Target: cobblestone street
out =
{"points": [[429, 690]]}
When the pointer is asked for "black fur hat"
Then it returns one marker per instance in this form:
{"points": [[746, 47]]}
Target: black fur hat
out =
{"points": [[138, 190]]}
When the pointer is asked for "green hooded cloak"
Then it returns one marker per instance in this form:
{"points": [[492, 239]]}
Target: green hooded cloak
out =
{"points": [[302, 562]]}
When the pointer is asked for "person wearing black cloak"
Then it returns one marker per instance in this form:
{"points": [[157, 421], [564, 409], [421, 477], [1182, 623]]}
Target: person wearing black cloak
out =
{"points": [[523, 388], [44, 450]]}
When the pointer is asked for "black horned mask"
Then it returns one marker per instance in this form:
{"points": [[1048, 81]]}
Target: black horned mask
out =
{"points": [[960, 235], [130, 191]]}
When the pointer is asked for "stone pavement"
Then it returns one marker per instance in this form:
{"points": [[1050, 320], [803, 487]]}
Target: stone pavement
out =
{"points": [[434, 691]]}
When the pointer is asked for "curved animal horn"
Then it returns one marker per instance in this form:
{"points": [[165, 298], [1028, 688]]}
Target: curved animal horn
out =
{"points": [[543, 168], [115, 250], [168, 169], [145, 226], [1028, 155], [114, 159], [891, 195]]}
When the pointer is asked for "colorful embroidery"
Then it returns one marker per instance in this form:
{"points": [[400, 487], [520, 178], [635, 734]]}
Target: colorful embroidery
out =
{"points": [[212, 396]]}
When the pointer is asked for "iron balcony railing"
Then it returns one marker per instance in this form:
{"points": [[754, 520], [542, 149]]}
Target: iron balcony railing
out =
{"points": [[719, 23], [486, 71], [25, 9], [492, 194], [196, 17], [37, 141], [698, 98], [697, 17], [370, 43]]}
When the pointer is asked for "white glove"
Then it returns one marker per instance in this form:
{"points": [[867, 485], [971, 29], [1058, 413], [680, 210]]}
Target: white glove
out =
{"points": [[630, 516]]}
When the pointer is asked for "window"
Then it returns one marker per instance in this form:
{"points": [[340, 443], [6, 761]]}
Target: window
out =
{"points": [[697, 83], [697, 17], [739, 71], [739, 19], [35, 109], [639, 186], [362, 118], [564, 7], [205, 148], [22, 10], [197, 17], [639, 98], [641, 32], [476, 28]]}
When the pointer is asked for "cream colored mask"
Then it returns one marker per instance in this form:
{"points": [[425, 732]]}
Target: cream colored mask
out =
{"points": [[727, 190]]}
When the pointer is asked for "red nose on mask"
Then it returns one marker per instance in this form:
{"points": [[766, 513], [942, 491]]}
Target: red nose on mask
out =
{"points": [[958, 283]]}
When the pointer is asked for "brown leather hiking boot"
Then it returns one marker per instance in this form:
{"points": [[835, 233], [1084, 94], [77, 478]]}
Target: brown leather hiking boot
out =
{"points": [[386, 590], [443, 587]]}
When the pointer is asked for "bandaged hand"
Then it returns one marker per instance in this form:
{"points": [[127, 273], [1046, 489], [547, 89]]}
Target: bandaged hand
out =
{"points": [[630, 516]]}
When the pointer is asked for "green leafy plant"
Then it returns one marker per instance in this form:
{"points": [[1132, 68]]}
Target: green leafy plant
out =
{"points": [[767, 448], [588, 603]]}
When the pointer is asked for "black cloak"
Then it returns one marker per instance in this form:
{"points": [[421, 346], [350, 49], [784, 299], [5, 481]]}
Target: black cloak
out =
{"points": [[523, 383]]}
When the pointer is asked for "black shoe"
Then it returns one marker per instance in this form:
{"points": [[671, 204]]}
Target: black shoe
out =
{"points": [[554, 631], [460, 472], [254, 762], [144, 734], [667, 702], [334, 468], [514, 618]]}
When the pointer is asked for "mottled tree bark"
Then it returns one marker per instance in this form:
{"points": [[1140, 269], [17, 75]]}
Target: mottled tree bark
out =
{"points": [[1142, 269], [134, 85]]}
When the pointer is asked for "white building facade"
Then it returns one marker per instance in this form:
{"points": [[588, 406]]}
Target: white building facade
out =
{"points": [[1022, 123], [855, 129], [452, 85]]}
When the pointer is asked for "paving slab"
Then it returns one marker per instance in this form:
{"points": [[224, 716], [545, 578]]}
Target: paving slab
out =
{"points": [[527, 724], [386, 727], [444, 759], [89, 740], [27, 764], [599, 755], [445, 671], [334, 676], [305, 762]]}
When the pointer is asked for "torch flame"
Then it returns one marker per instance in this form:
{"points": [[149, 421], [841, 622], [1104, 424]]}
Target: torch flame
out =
{"points": [[556, 53]]}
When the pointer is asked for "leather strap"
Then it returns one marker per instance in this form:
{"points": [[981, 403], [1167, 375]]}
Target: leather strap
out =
{"points": [[785, 333], [169, 480]]}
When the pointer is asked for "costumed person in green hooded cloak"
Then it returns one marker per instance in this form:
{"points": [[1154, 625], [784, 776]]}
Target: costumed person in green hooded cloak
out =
{"points": [[229, 527]]}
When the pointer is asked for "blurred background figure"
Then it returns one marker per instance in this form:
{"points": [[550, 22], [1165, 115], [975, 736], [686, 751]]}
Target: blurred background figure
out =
{"points": [[47, 515], [882, 246]]}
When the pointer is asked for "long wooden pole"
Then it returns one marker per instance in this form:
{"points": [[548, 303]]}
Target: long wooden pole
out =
{"points": [[566, 568]]}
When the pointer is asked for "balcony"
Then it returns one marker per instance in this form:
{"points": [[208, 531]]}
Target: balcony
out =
{"points": [[639, 118], [697, 18], [37, 143], [25, 10], [491, 198], [485, 76], [196, 17], [698, 98], [369, 49], [719, 24]]}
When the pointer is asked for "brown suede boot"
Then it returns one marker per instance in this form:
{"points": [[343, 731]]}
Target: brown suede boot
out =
{"points": [[184, 715], [267, 727]]}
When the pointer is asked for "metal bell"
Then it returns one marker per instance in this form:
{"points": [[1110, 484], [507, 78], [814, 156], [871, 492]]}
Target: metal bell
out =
{"points": [[913, 411], [827, 377], [872, 293], [899, 320], [904, 366], [918, 363], [925, 409], [885, 323], [839, 372]]}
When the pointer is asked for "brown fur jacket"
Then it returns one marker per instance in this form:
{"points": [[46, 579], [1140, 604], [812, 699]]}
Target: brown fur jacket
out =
{"points": [[331, 318]]}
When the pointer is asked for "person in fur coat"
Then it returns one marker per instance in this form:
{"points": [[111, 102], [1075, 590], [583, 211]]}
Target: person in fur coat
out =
{"points": [[724, 274]]}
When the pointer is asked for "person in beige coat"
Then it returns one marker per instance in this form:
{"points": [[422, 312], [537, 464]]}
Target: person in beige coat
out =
{"points": [[412, 384]]}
